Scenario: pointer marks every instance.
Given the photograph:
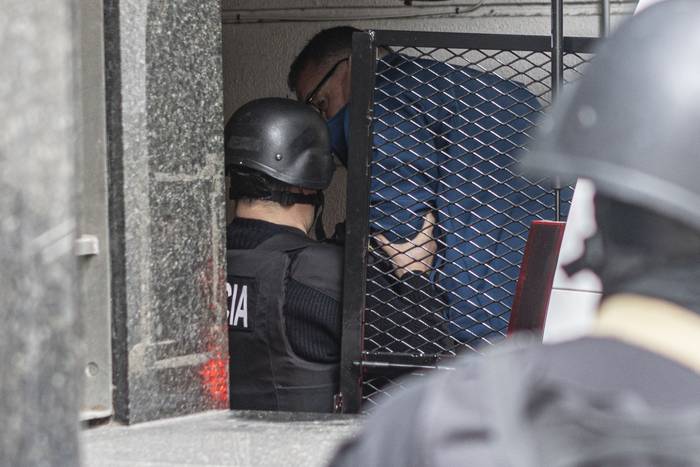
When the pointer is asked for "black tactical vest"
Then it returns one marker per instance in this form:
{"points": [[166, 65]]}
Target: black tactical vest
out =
{"points": [[264, 371]]}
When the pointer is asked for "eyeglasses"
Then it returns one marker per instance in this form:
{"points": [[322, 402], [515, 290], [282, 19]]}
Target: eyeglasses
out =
{"points": [[310, 98]]}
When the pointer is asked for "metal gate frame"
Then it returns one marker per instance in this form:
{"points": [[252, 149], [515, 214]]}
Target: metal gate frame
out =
{"points": [[365, 45]]}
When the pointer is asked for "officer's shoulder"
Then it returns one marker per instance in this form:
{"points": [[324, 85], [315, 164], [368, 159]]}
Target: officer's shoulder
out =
{"points": [[320, 266], [329, 254]]}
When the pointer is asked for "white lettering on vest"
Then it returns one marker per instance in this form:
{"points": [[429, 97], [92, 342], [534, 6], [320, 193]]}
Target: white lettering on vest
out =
{"points": [[239, 303]]}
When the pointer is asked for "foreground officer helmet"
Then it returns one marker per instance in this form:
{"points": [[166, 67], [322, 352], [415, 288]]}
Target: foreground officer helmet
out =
{"points": [[632, 124], [282, 138]]}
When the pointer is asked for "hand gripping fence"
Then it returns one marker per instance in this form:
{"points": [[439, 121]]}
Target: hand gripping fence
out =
{"points": [[438, 214]]}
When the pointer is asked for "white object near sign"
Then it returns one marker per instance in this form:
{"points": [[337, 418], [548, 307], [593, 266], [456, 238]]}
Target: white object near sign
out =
{"points": [[574, 299]]}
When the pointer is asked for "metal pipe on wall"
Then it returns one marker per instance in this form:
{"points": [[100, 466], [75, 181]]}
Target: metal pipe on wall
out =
{"points": [[605, 18], [557, 80]]}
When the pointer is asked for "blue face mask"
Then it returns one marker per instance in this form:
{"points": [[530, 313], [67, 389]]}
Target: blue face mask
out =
{"points": [[339, 129]]}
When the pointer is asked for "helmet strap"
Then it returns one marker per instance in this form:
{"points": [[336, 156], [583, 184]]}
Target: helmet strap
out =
{"points": [[287, 198], [318, 220]]}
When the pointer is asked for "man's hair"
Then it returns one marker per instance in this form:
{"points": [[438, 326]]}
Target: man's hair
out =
{"points": [[250, 184], [326, 44]]}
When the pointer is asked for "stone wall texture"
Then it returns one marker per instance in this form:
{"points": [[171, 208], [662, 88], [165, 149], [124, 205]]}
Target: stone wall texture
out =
{"points": [[165, 151]]}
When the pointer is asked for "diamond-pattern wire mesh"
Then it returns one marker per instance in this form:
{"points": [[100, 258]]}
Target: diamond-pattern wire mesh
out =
{"points": [[379, 388], [446, 197]]}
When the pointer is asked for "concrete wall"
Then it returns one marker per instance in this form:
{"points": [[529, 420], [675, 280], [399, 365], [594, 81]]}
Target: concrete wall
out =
{"points": [[40, 351], [260, 43]]}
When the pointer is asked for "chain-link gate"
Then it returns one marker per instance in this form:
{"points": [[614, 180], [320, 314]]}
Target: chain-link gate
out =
{"points": [[438, 121]]}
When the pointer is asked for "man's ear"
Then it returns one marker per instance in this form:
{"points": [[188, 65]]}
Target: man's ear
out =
{"points": [[348, 76], [348, 66]]}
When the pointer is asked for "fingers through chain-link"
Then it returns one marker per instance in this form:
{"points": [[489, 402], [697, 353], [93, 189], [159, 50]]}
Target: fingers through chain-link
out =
{"points": [[449, 209]]}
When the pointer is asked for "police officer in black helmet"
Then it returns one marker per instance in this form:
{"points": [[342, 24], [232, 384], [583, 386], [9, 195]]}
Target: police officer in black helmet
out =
{"points": [[629, 394], [284, 288]]}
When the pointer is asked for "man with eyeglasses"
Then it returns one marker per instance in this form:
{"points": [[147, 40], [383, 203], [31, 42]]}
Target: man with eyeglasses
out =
{"points": [[445, 203]]}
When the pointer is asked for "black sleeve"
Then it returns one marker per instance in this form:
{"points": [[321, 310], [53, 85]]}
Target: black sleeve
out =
{"points": [[313, 322], [403, 315], [312, 306]]}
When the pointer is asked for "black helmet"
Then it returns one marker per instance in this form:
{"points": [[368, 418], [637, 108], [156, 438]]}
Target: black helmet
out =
{"points": [[284, 139], [632, 124]]}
